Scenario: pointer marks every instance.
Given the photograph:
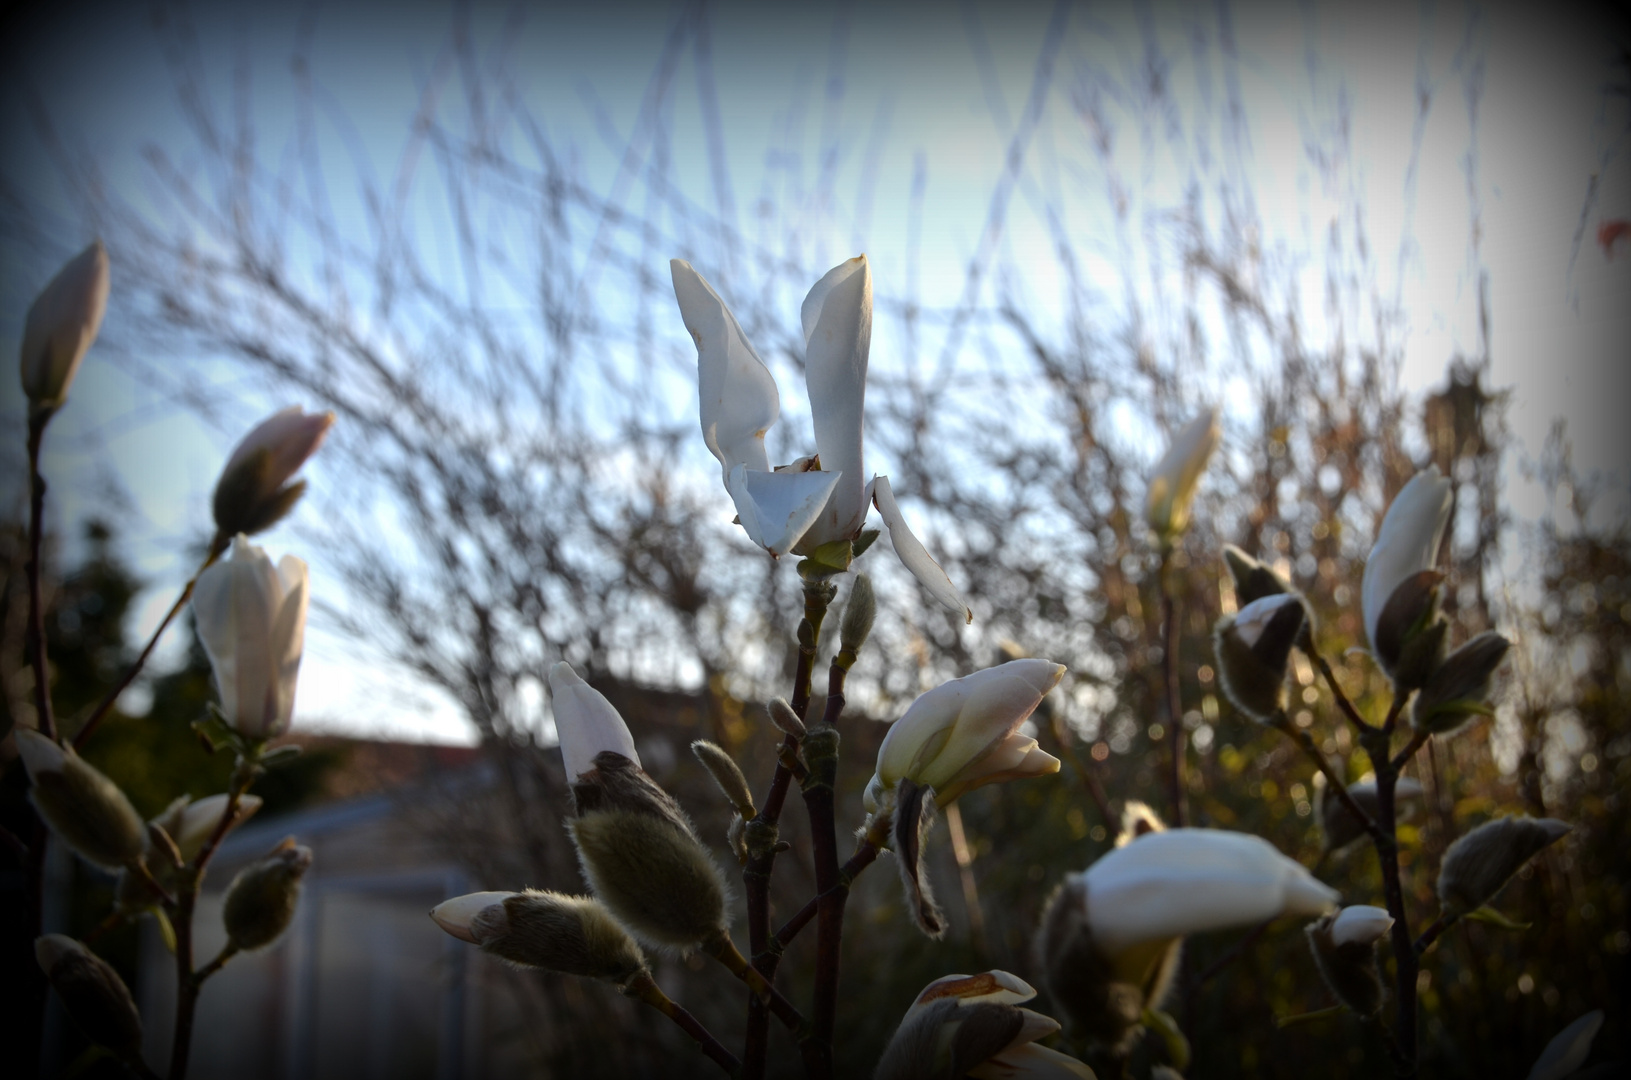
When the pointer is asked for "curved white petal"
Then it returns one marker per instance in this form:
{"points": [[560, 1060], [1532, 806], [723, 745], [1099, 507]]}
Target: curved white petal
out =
{"points": [[1360, 924], [1407, 543], [1254, 618], [585, 722], [777, 508], [912, 554], [1034, 1062], [1184, 881], [837, 316], [456, 915], [201, 817], [736, 391], [1569, 1049], [989, 988]]}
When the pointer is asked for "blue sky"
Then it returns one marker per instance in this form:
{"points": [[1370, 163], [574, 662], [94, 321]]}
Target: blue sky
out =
{"points": [[904, 94]]}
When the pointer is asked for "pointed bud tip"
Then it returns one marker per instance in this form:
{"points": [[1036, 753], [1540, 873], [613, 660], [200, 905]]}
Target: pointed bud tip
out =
{"points": [[456, 915]]}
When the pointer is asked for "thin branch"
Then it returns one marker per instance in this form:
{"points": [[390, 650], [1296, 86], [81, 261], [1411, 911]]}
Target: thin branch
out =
{"points": [[38, 417], [643, 988]]}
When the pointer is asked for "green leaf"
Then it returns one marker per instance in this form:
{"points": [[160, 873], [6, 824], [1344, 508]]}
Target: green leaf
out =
{"points": [[863, 542], [1495, 918], [215, 732], [280, 756], [166, 931], [1307, 1017], [1165, 1026]]}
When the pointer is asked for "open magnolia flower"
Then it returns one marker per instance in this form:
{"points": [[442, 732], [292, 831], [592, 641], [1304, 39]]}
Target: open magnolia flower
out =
{"points": [[252, 620], [816, 501], [965, 733], [971, 1025]]}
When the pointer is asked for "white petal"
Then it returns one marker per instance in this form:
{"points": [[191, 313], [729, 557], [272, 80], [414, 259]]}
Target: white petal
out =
{"points": [[777, 508], [200, 818], [736, 390], [455, 915], [288, 639], [990, 988], [1569, 1050], [1407, 543], [837, 319], [911, 553], [585, 722], [235, 603], [1185, 881], [1033, 1061], [1360, 924], [1254, 618]]}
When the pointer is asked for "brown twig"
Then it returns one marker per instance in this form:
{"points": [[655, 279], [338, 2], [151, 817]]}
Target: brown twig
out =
{"points": [[1347, 707], [818, 791], [1174, 696], [1434, 931], [38, 417], [1405, 965], [645, 989], [866, 853], [1305, 741]]}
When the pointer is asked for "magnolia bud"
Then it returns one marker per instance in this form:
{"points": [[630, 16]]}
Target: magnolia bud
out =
{"points": [[261, 900], [970, 1025], [1406, 547], [251, 617], [1459, 689], [1252, 648], [1173, 483], [62, 323], [859, 612], [82, 806], [188, 824], [1569, 1049], [1255, 580], [94, 994], [726, 774], [1479, 864], [254, 492], [1344, 947], [653, 875], [571, 934], [783, 716], [1411, 635]]}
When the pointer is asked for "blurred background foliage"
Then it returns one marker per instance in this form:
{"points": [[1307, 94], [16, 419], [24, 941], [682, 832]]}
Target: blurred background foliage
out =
{"points": [[541, 500]]}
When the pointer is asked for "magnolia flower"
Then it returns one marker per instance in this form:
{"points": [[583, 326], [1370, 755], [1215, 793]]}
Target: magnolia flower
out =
{"points": [[1360, 924], [586, 722], [814, 501], [62, 323], [971, 1025], [1406, 544], [252, 621], [964, 734], [1185, 881], [1172, 484], [254, 492], [571, 934]]}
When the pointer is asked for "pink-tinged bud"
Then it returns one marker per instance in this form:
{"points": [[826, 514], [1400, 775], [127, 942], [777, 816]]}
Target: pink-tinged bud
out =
{"points": [[1173, 483], [971, 1025], [94, 994], [254, 492], [965, 733], [62, 324], [252, 620]]}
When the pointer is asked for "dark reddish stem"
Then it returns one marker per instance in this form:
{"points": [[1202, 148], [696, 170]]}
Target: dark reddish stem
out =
{"points": [[46, 722], [1175, 708], [1405, 962], [830, 895], [1341, 698], [865, 855], [643, 987]]}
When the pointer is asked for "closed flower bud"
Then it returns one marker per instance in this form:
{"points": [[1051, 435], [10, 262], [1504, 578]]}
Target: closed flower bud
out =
{"points": [[1338, 823], [1253, 579], [970, 1025], [261, 900], [1344, 947], [965, 733], [586, 723], [785, 719], [654, 876], [62, 323], [723, 768], [188, 824], [570, 934], [82, 806], [1411, 636], [1459, 689], [1406, 547], [859, 612], [254, 492], [252, 620], [1478, 865], [93, 993], [1173, 483], [1252, 648]]}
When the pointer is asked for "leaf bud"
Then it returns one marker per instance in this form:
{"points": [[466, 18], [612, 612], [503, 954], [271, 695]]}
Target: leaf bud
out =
{"points": [[723, 768], [860, 610], [82, 806], [575, 935], [1478, 865], [93, 993], [1459, 689], [1344, 948], [1252, 647], [785, 719], [260, 902]]}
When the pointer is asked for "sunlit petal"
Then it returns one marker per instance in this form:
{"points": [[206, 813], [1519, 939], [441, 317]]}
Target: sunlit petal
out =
{"points": [[837, 318], [912, 554], [777, 508], [736, 390]]}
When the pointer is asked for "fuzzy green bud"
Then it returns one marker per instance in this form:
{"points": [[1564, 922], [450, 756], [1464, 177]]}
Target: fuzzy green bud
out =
{"points": [[575, 935], [1459, 689], [1344, 948], [260, 902], [1255, 580], [82, 806], [654, 876], [859, 613], [93, 993], [727, 774], [1478, 865], [1411, 636], [1252, 647]]}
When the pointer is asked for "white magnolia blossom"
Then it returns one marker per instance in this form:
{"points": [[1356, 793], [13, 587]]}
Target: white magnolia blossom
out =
{"points": [[1407, 542], [1168, 884], [1360, 924], [1254, 618], [1173, 483], [964, 733], [62, 323], [585, 722], [1022, 1057], [456, 915], [814, 501], [252, 621]]}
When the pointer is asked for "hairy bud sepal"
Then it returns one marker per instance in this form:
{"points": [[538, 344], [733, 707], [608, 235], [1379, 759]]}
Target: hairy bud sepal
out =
{"points": [[1252, 647], [653, 875], [93, 993], [83, 807], [1459, 690], [575, 935], [1411, 635], [1478, 865], [913, 817], [1344, 948], [260, 903]]}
